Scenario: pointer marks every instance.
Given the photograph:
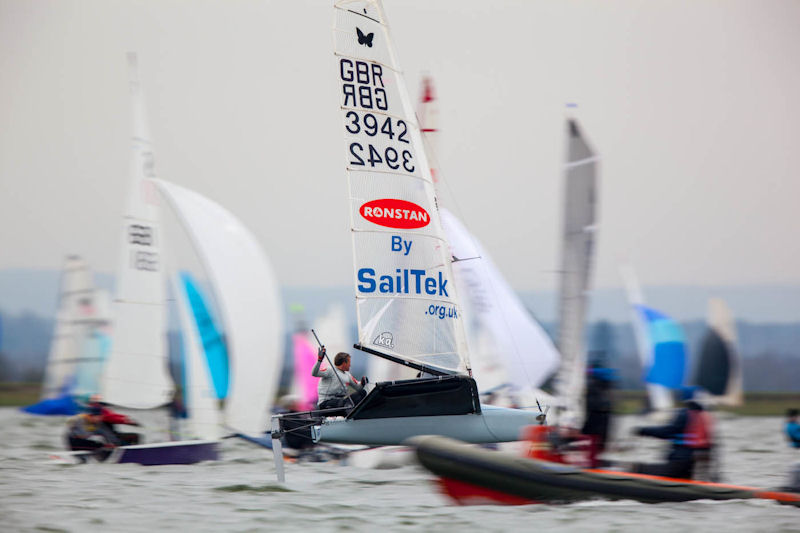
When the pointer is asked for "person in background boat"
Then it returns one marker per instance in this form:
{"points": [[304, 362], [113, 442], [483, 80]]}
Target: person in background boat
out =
{"points": [[691, 433], [110, 418], [599, 404], [330, 390], [793, 428], [87, 432]]}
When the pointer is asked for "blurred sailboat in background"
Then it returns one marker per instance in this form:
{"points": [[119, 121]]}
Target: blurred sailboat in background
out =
{"points": [[661, 344], [719, 366], [241, 278], [510, 353], [80, 342]]}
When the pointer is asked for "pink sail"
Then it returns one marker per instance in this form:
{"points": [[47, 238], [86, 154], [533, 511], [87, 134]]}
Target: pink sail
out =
{"points": [[305, 385]]}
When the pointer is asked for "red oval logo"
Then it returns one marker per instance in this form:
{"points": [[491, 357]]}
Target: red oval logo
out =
{"points": [[394, 213]]}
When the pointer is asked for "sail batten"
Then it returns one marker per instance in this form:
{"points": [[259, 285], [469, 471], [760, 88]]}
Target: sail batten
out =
{"points": [[405, 294]]}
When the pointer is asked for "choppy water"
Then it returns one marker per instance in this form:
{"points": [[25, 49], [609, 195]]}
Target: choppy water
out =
{"points": [[239, 493]]}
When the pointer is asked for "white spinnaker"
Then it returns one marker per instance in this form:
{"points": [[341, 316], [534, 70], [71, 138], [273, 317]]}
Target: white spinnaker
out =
{"points": [[506, 345], [247, 292], [400, 252], [720, 319], [203, 417], [136, 373], [659, 395], [70, 329], [580, 196]]}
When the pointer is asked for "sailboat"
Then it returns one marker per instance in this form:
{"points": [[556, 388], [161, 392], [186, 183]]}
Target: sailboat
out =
{"points": [[244, 286], [80, 343], [661, 344], [719, 368], [580, 223], [406, 303], [510, 353]]}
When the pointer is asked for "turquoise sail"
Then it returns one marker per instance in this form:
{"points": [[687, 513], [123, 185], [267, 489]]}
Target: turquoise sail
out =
{"points": [[213, 344], [668, 345]]}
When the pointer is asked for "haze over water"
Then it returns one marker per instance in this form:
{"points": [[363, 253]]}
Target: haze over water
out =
{"points": [[239, 493]]}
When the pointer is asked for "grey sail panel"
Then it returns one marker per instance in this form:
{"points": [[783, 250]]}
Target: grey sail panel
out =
{"points": [[580, 212]]}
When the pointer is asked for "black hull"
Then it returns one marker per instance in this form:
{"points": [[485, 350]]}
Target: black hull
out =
{"points": [[542, 481]]}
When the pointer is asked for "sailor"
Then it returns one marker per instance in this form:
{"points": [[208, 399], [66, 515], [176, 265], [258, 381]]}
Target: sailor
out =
{"points": [[691, 435], [86, 432], [793, 428], [599, 385], [109, 419], [332, 389]]}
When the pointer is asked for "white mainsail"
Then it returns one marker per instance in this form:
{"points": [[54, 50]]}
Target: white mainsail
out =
{"points": [[580, 205], [203, 420], [136, 373], [75, 307], [247, 292], [406, 302], [507, 346]]}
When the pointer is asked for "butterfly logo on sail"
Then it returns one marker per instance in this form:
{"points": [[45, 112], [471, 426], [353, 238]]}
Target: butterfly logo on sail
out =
{"points": [[366, 40], [385, 339]]}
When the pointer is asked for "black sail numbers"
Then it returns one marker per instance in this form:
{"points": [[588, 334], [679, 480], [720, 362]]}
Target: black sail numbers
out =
{"points": [[379, 140]]}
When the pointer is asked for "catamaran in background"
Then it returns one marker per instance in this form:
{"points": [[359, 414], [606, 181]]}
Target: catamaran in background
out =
{"points": [[80, 343]]}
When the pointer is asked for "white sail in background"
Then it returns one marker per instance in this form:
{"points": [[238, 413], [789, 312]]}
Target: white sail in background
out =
{"points": [[720, 364], [660, 397], [401, 257], [74, 308], [136, 373], [203, 417], [95, 316], [580, 205], [507, 346], [247, 292]]}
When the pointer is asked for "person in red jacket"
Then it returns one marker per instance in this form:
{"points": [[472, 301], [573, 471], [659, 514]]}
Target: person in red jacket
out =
{"points": [[109, 419]]}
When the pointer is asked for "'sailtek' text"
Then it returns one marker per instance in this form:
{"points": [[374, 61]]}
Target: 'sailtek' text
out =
{"points": [[405, 281]]}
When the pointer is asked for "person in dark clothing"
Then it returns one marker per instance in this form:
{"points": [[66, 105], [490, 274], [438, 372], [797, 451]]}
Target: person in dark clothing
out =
{"points": [[110, 418], [691, 435], [599, 385], [86, 432]]}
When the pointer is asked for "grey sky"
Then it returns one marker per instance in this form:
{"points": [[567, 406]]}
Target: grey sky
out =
{"points": [[692, 106]]}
